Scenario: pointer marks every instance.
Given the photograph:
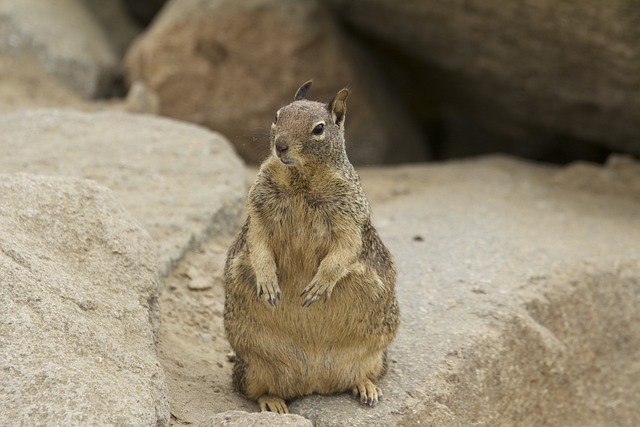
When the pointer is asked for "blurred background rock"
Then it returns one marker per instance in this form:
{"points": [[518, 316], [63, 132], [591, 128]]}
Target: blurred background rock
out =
{"points": [[431, 80]]}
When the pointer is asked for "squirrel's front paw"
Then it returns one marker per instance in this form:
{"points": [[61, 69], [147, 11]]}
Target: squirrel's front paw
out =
{"points": [[269, 289], [315, 290]]}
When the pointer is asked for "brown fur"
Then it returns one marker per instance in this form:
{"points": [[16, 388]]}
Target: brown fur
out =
{"points": [[310, 287]]}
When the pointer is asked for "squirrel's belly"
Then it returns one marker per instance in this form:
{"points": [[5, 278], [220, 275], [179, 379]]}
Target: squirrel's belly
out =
{"points": [[326, 348], [333, 370]]}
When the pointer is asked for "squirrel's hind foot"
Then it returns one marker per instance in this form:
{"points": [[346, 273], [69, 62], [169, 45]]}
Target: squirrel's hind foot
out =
{"points": [[367, 392], [272, 403]]}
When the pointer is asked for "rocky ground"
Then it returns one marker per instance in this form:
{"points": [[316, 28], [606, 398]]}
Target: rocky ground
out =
{"points": [[518, 282]]}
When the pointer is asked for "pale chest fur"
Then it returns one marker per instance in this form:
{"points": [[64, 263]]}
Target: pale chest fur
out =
{"points": [[300, 233], [301, 223]]}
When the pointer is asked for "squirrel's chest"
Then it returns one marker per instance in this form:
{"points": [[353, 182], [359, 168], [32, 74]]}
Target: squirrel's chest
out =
{"points": [[300, 225], [304, 217]]}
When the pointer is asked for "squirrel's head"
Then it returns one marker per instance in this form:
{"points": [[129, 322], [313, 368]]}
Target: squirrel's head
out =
{"points": [[305, 132]]}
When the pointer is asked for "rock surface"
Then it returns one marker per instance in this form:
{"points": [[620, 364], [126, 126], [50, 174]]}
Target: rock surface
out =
{"points": [[569, 68], [230, 65], [246, 419], [183, 183], [64, 38], [78, 308]]}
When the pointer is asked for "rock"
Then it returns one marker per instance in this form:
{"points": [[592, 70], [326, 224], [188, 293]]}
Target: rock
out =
{"points": [[230, 65], [183, 183], [519, 304], [200, 284], [206, 338], [116, 22], [78, 308], [142, 100], [23, 85], [64, 39], [247, 419], [561, 68]]}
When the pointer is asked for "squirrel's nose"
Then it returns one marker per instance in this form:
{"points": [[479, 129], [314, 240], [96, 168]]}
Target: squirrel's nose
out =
{"points": [[281, 146]]}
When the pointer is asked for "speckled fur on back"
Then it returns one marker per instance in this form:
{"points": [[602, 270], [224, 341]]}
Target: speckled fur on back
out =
{"points": [[310, 287]]}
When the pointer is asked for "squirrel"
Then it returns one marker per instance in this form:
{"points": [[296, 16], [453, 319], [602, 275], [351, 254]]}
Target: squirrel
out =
{"points": [[310, 303]]}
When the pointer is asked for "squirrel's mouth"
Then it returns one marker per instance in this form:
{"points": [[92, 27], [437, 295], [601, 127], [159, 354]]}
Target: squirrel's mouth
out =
{"points": [[287, 160]]}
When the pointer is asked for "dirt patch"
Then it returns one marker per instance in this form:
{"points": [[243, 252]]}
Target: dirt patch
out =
{"points": [[192, 348]]}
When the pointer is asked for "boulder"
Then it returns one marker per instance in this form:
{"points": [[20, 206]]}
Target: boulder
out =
{"points": [[568, 68], [78, 308], [182, 182], [64, 38], [230, 65]]}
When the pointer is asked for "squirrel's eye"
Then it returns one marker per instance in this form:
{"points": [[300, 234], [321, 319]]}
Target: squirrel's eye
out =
{"points": [[318, 129], [275, 119]]}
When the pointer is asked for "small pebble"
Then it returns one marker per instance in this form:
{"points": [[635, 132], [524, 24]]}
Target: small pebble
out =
{"points": [[199, 284]]}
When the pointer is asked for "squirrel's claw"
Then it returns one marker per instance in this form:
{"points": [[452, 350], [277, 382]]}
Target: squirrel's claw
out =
{"points": [[269, 403], [367, 392], [270, 292], [314, 291], [309, 300]]}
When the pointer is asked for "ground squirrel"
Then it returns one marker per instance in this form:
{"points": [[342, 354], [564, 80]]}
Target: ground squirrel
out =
{"points": [[310, 287]]}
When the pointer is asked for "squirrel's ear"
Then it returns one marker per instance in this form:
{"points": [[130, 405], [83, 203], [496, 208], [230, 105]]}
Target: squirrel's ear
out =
{"points": [[338, 106], [302, 91]]}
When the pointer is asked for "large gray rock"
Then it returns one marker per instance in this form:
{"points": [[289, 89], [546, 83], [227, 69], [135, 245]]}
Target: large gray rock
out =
{"points": [[565, 68], [78, 308], [183, 183], [230, 65], [519, 288], [64, 38]]}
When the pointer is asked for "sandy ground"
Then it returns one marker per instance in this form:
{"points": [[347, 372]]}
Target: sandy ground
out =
{"points": [[193, 350], [192, 347]]}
